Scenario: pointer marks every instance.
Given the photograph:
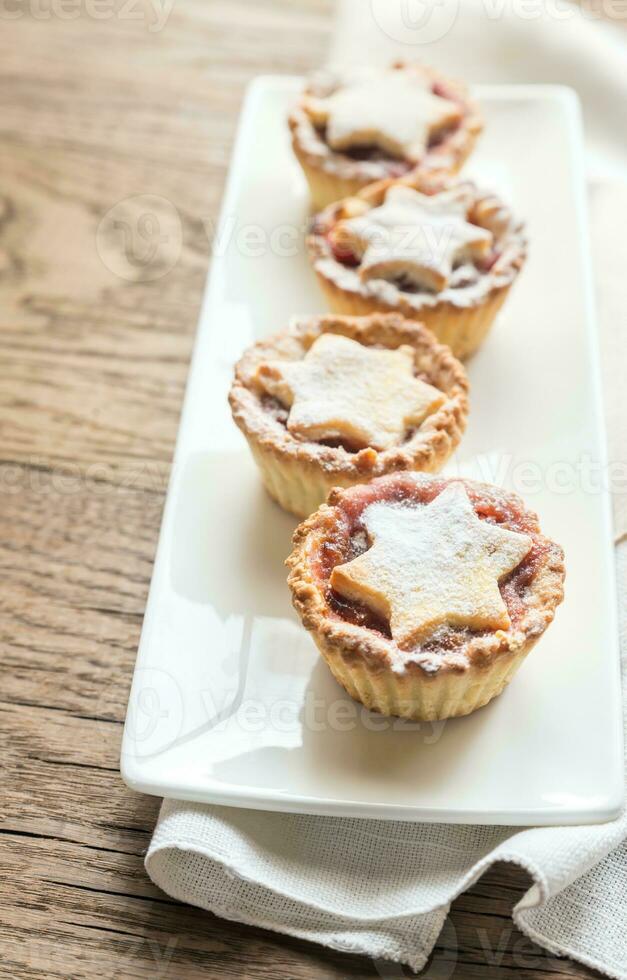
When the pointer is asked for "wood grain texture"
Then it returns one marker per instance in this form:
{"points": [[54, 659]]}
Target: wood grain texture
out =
{"points": [[94, 112]]}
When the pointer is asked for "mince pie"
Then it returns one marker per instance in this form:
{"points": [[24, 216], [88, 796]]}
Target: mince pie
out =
{"points": [[424, 595], [339, 400], [352, 128], [442, 252]]}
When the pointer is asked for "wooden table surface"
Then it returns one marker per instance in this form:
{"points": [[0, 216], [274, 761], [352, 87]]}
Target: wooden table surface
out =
{"points": [[97, 109]]}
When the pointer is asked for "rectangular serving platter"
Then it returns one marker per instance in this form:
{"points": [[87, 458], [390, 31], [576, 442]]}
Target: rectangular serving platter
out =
{"points": [[230, 702]]}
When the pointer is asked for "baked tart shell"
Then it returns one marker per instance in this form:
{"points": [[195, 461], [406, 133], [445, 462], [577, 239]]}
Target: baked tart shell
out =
{"points": [[422, 698], [463, 329]]}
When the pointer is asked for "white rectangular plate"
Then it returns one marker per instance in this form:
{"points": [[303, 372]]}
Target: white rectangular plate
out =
{"points": [[230, 702]]}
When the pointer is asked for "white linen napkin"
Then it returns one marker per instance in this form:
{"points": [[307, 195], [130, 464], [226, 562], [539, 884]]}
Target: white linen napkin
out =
{"points": [[384, 889]]}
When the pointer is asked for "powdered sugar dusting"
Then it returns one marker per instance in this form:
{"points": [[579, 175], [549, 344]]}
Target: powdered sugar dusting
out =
{"points": [[420, 237], [432, 566], [394, 110], [342, 390]]}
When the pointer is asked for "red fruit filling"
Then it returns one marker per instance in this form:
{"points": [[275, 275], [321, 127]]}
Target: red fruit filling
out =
{"points": [[349, 539]]}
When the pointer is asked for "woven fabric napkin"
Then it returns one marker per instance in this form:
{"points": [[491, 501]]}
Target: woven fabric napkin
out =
{"points": [[384, 889]]}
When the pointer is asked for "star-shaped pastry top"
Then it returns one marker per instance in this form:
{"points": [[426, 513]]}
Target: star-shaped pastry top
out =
{"points": [[394, 110], [366, 396], [417, 236], [432, 566]]}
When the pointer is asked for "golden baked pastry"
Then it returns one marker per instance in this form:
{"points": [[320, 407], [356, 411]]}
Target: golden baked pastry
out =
{"points": [[424, 595], [338, 400], [442, 252], [355, 127]]}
